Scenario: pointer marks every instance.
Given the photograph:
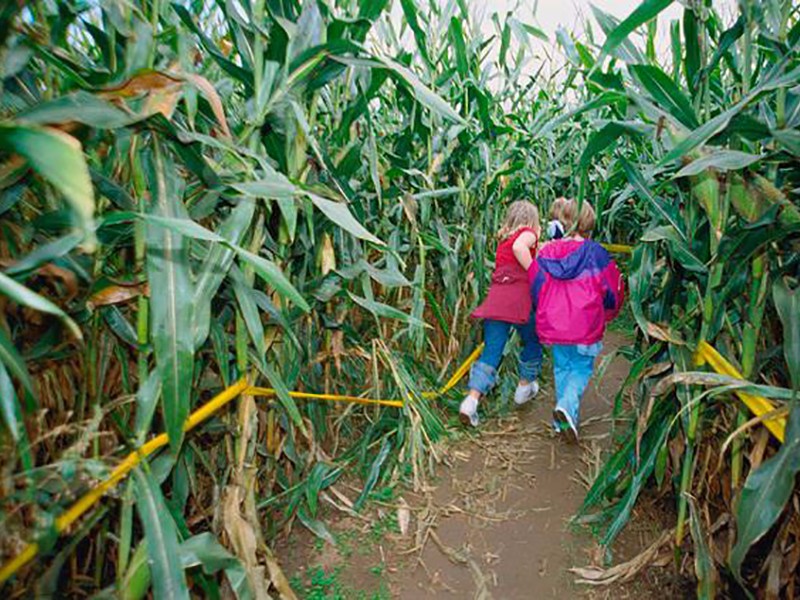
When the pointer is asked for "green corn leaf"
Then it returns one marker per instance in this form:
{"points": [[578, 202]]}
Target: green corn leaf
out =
{"points": [[766, 492], [26, 297], [9, 405], [282, 391], [171, 306], [410, 12], [137, 579], [601, 101], [728, 38], [626, 50], [266, 269], [642, 189], [205, 551], [647, 10], [691, 41], [58, 157], [608, 136], [252, 318], [652, 440], [340, 214], [146, 402], [315, 526], [45, 254], [314, 485], [81, 107], [275, 186], [721, 160], [374, 472], [704, 568], [679, 247], [47, 585], [272, 275], [161, 538], [216, 265], [241, 74], [384, 310], [459, 46], [666, 93], [787, 303], [117, 322], [702, 134], [11, 358], [425, 95]]}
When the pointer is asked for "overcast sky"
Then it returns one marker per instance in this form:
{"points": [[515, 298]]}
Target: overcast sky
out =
{"points": [[549, 15]]}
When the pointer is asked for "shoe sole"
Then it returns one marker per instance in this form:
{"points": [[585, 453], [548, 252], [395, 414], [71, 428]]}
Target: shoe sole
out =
{"points": [[564, 427]]}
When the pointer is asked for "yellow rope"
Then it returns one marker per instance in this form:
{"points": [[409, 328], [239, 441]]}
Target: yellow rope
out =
{"points": [[83, 504], [759, 406], [119, 473], [258, 391], [618, 248], [460, 372]]}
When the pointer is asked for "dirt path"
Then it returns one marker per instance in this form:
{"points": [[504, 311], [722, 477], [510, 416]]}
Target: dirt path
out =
{"points": [[494, 523], [506, 501]]}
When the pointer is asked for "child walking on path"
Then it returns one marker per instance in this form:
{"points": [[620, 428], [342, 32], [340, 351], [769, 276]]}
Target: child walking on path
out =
{"points": [[576, 289], [508, 304]]}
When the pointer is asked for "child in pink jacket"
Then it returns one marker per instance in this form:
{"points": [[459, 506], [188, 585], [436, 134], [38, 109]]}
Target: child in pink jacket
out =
{"points": [[576, 290]]}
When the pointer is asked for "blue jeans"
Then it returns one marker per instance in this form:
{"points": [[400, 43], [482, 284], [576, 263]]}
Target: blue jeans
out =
{"points": [[572, 369], [483, 374]]}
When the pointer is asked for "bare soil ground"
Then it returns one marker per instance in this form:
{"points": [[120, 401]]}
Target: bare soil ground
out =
{"points": [[493, 524]]}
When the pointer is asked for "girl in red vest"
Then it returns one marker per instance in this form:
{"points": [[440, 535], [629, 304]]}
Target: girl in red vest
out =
{"points": [[507, 305]]}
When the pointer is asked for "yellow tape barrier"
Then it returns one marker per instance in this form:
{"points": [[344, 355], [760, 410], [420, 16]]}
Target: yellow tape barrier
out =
{"points": [[201, 414], [618, 248], [204, 412], [759, 406]]}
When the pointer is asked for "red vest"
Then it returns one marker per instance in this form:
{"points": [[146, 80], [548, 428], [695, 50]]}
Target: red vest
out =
{"points": [[509, 297]]}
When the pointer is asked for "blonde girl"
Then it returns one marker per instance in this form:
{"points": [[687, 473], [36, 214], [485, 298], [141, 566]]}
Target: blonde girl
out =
{"points": [[507, 305]]}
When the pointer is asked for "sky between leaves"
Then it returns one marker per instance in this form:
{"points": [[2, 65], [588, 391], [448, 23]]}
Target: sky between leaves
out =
{"points": [[549, 15]]}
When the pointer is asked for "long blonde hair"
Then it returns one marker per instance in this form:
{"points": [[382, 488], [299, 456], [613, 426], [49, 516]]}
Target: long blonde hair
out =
{"points": [[520, 214]]}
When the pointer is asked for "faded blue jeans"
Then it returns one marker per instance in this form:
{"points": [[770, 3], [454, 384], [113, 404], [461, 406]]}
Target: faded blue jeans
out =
{"points": [[483, 374], [572, 369]]}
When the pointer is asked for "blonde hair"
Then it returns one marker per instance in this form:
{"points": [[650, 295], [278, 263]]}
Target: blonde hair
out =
{"points": [[520, 214], [582, 221], [557, 208]]}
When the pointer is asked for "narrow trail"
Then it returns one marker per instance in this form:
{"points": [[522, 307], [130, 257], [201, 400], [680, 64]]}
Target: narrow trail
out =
{"points": [[494, 521], [505, 502]]}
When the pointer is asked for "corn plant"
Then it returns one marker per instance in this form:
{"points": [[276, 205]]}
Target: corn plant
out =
{"points": [[705, 153]]}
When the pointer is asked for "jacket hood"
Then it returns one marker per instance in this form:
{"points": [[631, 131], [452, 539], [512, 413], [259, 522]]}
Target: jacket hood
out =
{"points": [[569, 259]]}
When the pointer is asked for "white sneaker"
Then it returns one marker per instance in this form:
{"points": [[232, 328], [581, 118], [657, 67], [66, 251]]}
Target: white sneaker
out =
{"points": [[564, 424], [526, 392], [468, 411]]}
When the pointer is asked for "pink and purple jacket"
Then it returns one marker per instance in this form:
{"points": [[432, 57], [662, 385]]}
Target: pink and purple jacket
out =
{"points": [[576, 289]]}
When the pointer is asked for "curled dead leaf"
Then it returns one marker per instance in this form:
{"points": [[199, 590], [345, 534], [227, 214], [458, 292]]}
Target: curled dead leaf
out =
{"points": [[328, 257], [663, 333], [117, 294]]}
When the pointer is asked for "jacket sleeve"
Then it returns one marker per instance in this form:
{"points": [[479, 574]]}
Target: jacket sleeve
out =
{"points": [[614, 290]]}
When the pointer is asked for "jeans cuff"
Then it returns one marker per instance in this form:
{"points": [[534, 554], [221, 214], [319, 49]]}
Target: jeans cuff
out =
{"points": [[590, 349], [530, 370], [482, 377]]}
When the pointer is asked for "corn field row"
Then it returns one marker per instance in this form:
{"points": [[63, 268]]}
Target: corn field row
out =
{"points": [[305, 193]]}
